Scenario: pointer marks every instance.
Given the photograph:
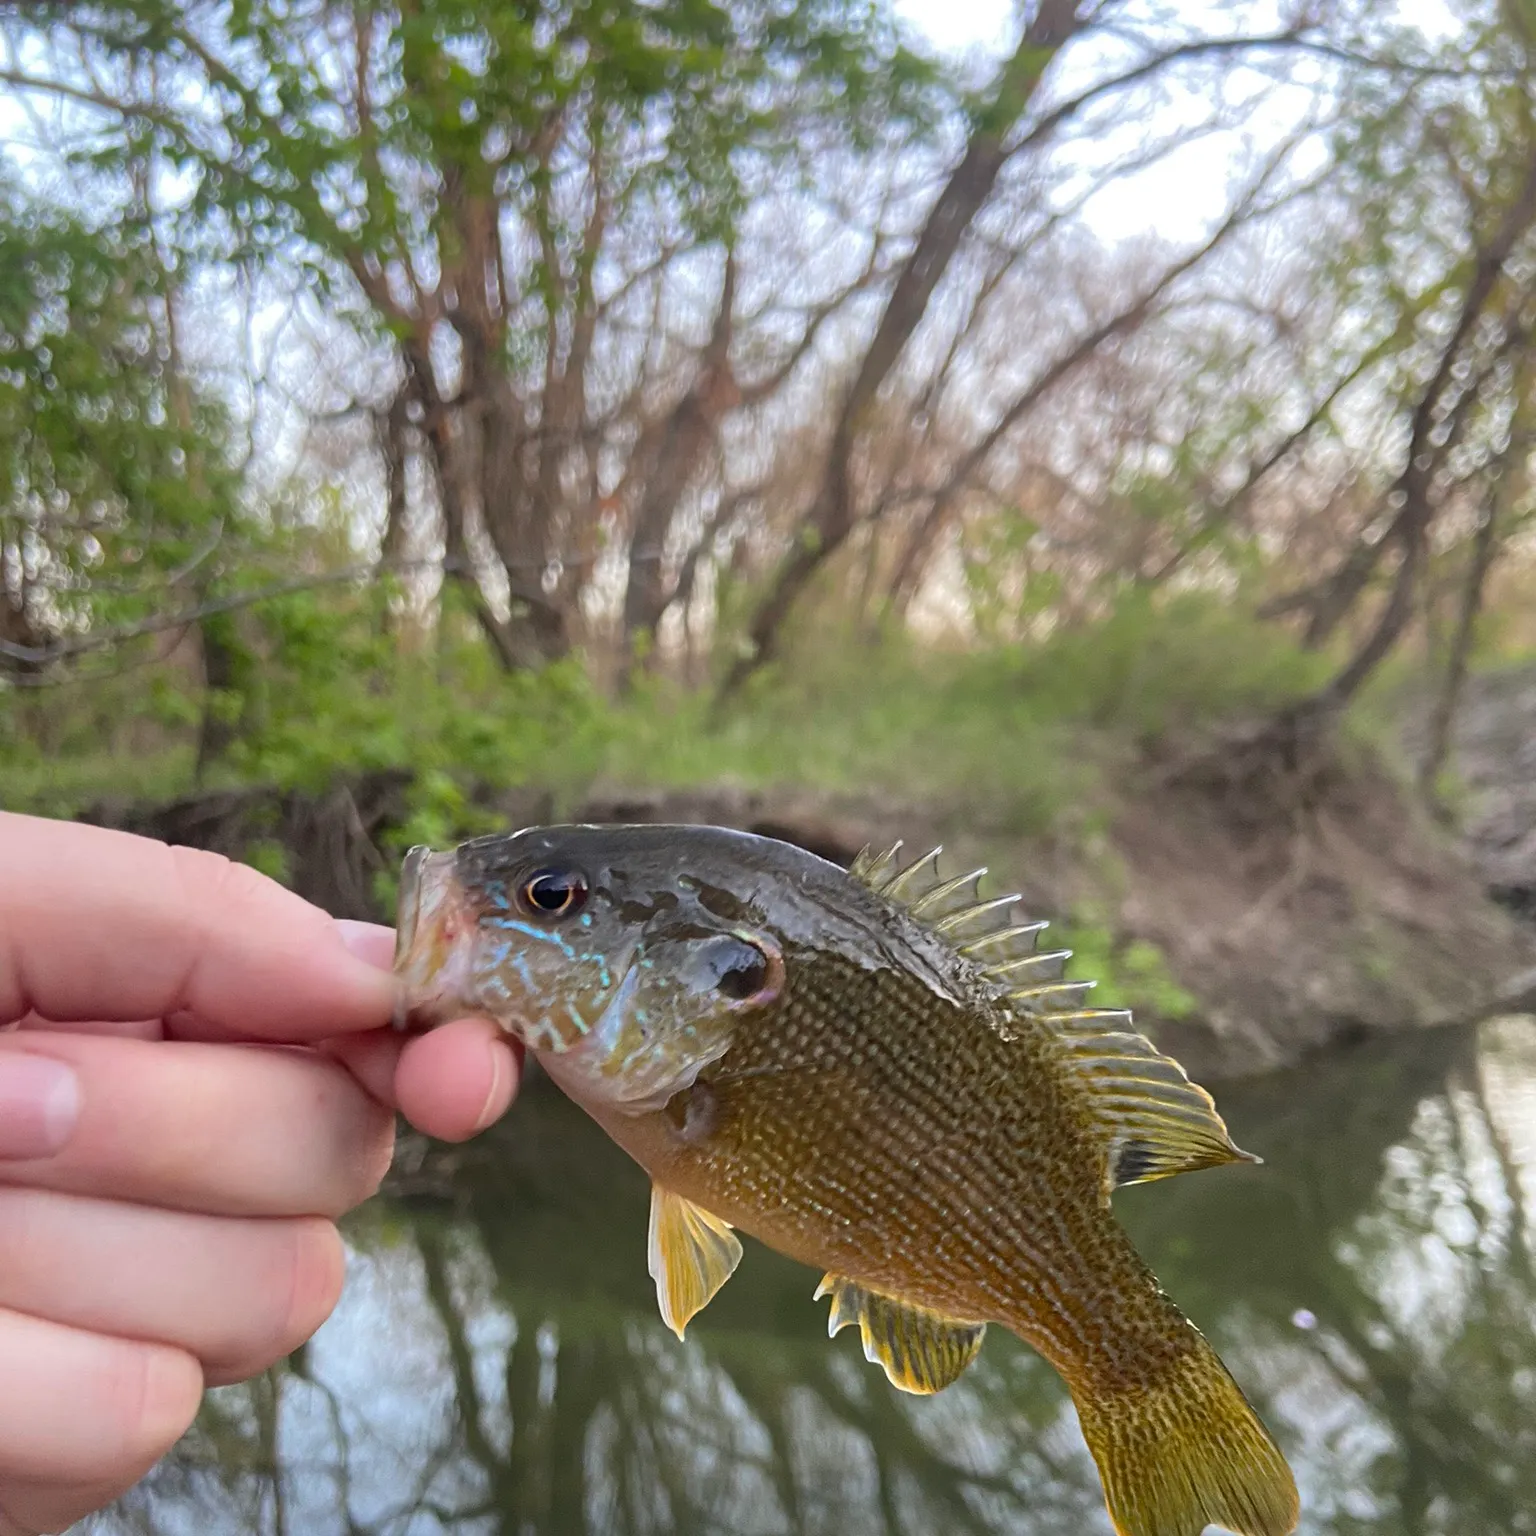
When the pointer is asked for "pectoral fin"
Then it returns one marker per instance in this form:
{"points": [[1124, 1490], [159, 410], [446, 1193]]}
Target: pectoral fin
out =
{"points": [[690, 1255], [921, 1351]]}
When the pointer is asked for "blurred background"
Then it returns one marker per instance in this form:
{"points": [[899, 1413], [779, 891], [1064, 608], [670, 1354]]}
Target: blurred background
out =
{"points": [[1095, 434]]}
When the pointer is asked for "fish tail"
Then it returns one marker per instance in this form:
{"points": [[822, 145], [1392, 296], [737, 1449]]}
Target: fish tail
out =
{"points": [[1187, 1451]]}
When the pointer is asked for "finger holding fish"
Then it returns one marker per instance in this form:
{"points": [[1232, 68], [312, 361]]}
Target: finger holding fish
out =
{"points": [[227, 1130], [450, 1083]]}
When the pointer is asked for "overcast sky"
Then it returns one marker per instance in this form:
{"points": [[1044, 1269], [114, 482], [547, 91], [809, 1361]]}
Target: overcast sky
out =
{"points": [[1180, 197]]}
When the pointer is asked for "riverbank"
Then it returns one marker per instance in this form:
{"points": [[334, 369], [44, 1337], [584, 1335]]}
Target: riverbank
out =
{"points": [[1246, 934]]}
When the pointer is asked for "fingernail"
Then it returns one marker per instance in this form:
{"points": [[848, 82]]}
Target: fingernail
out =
{"points": [[39, 1105], [369, 942], [500, 1057]]}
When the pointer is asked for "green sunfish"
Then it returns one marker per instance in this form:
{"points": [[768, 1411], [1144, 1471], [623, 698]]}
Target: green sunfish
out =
{"points": [[873, 1071]]}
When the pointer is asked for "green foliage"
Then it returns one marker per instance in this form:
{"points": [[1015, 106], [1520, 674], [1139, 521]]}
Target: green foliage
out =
{"points": [[1159, 664], [270, 857], [1130, 974], [332, 691], [863, 718], [481, 99], [112, 473], [337, 695]]}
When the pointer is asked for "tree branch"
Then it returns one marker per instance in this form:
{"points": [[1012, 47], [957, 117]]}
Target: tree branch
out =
{"points": [[105, 639]]}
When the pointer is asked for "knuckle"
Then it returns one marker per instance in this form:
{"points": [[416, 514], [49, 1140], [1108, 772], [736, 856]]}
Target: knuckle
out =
{"points": [[290, 1296], [317, 1266], [218, 886], [150, 1396], [203, 874], [377, 1153], [354, 1140], [362, 1145]]}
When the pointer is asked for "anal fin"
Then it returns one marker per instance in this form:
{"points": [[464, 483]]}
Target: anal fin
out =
{"points": [[690, 1254], [921, 1351]]}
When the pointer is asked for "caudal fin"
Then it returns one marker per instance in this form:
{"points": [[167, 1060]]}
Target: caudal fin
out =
{"points": [[1186, 1452]]}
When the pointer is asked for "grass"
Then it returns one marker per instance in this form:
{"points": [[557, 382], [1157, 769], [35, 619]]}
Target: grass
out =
{"points": [[61, 786], [1025, 731]]}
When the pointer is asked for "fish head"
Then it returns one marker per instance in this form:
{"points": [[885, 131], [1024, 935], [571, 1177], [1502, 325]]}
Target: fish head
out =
{"points": [[602, 949]]}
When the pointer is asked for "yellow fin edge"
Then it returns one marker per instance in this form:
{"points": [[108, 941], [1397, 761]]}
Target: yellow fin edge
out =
{"points": [[690, 1254], [919, 1350]]}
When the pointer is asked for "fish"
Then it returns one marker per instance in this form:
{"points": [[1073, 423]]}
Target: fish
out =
{"points": [[879, 1073]]}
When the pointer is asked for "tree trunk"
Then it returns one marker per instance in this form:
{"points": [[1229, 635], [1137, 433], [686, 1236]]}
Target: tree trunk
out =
{"points": [[219, 651], [832, 514], [1437, 747]]}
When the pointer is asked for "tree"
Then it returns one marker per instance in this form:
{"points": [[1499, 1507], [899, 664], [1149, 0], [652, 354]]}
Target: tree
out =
{"points": [[496, 195], [1005, 127], [100, 523], [1432, 254]]}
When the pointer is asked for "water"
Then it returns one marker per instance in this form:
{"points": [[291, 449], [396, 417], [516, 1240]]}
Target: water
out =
{"points": [[497, 1364]]}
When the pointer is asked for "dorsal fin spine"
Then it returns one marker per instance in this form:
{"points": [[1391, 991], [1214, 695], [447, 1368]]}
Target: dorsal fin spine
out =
{"points": [[1006, 968], [943, 890], [1052, 989], [1018, 931], [974, 913], [870, 867], [904, 877]]}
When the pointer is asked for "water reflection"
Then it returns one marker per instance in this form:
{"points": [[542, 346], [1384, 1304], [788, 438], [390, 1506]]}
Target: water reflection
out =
{"points": [[498, 1367]]}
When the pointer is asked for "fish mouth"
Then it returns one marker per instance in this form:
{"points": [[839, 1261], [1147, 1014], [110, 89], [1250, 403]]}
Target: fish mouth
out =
{"points": [[433, 933], [409, 902]]}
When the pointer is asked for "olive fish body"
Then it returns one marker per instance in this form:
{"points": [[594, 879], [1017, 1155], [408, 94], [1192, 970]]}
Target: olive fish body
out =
{"points": [[874, 1072]]}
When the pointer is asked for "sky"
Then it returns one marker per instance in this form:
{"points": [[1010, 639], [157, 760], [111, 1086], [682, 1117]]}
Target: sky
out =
{"points": [[1178, 199], [960, 24], [1181, 197]]}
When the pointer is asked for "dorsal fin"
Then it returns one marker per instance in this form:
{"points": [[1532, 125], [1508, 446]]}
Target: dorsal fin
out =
{"points": [[980, 929], [1153, 1121]]}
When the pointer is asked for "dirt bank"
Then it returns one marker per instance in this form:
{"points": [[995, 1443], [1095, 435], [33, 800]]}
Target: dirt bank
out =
{"points": [[1270, 934]]}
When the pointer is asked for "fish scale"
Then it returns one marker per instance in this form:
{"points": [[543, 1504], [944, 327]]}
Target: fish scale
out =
{"points": [[877, 1073]]}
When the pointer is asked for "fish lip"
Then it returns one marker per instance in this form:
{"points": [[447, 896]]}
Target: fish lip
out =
{"points": [[407, 913], [432, 956], [408, 904]]}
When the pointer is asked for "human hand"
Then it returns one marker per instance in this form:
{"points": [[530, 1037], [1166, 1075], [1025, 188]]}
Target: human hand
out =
{"points": [[195, 1082]]}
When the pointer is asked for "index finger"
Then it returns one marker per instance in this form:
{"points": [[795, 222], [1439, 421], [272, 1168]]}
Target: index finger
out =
{"points": [[101, 925]]}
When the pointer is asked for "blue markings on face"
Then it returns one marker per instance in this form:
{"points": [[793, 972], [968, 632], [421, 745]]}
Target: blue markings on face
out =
{"points": [[586, 919], [504, 949], [530, 931], [576, 1019], [496, 894]]}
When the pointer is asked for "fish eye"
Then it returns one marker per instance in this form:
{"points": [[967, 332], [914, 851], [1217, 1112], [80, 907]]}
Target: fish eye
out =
{"points": [[554, 893]]}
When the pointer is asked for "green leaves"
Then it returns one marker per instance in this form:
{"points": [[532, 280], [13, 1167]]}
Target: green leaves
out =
{"points": [[97, 506], [355, 129]]}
